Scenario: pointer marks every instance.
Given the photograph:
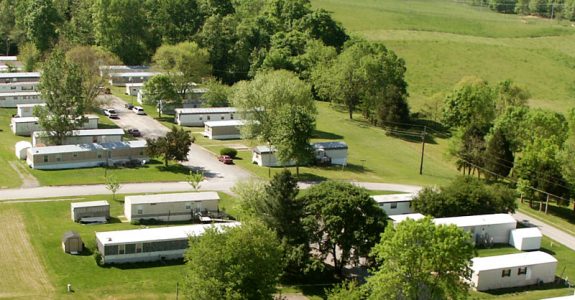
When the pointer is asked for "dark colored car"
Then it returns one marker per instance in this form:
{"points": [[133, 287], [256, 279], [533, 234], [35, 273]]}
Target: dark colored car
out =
{"points": [[129, 106], [226, 159], [134, 132]]}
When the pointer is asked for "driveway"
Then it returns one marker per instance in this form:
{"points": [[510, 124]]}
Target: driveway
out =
{"points": [[552, 232]]}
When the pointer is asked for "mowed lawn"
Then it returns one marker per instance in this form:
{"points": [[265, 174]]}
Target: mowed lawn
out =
{"points": [[9, 177], [443, 41]]}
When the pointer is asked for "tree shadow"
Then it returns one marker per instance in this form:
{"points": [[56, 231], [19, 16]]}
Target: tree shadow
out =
{"points": [[318, 134], [144, 265], [204, 171], [107, 126]]}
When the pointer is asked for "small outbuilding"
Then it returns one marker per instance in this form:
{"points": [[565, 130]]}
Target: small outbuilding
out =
{"points": [[223, 130], [27, 110], [72, 242], [264, 156], [334, 153], [526, 239], [395, 204], [512, 270], [90, 209], [21, 148]]}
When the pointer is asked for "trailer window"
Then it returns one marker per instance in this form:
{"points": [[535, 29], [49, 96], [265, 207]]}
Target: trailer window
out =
{"points": [[393, 205], [522, 271], [506, 273]]}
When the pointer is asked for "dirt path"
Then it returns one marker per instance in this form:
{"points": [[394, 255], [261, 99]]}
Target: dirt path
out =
{"points": [[28, 181], [23, 274]]}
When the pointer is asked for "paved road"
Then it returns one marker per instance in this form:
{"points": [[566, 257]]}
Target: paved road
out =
{"points": [[149, 127], [548, 230]]}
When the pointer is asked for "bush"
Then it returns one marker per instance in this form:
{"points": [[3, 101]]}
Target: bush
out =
{"points": [[229, 151]]}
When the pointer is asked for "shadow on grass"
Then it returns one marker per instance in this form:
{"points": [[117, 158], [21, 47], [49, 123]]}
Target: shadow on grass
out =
{"points": [[546, 250], [563, 212], [318, 134], [535, 287], [85, 252], [107, 126], [176, 169], [145, 265], [114, 220]]}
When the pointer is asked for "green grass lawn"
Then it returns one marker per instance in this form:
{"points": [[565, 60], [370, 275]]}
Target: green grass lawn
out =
{"points": [[442, 41], [9, 178]]}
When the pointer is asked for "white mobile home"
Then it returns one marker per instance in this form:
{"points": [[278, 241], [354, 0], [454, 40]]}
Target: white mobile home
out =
{"points": [[27, 110], [153, 244], [264, 156], [106, 70], [198, 116], [13, 99], [20, 77], [170, 207], [526, 239], [494, 228], [86, 155], [223, 130], [18, 87], [26, 126], [333, 152], [400, 218], [512, 270], [121, 79], [81, 137], [133, 89], [90, 209], [395, 204]]}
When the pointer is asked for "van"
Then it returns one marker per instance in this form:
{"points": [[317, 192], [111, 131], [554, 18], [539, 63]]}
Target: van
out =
{"points": [[138, 110]]}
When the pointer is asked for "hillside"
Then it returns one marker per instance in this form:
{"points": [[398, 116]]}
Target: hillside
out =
{"points": [[442, 41]]}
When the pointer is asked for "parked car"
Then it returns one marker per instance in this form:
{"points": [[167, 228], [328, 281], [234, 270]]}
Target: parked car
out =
{"points": [[111, 113], [138, 110], [129, 106], [226, 159], [134, 132]]}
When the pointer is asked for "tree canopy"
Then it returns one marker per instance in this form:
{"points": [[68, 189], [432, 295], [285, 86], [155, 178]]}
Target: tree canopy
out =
{"points": [[174, 146]]}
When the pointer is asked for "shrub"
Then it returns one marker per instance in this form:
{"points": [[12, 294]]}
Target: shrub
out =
{"points": [[229, 151]]}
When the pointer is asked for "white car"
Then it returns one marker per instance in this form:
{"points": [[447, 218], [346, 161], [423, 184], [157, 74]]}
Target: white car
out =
{"points": [[138, 110], [111, 113]]}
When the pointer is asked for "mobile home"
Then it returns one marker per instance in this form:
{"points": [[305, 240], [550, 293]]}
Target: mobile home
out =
{"points": [[121, 79], [512, 270], [152, 244], [133, 89], [198, 116], [18, 87], [333, 152], [400, 218], [86, 155], [526, 239], [223, 130], [90, 209], [170, 207], [26, 126], [106, 70], [27, 110], [494, 228], [81, 137], [20, 77], [395, 204], [13, 99]]}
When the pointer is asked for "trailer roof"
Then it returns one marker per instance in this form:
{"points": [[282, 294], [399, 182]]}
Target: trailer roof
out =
{"points": [[224, 123], [30, 105], [87, 132], [157, 234], [134, 74], [206, 110], [401, 218], [511, 261], [527, 232], [86, 147], [393, 198], [177, 197], [330, 145], [20, 75], [476, 220], [24, 119], [33, 93], [89, 204]]}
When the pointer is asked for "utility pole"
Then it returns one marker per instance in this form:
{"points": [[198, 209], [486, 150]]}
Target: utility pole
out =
{"points": [[423, 134], [547, 204]]}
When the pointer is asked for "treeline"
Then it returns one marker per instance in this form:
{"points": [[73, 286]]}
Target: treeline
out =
{"points": [[558, 9]]}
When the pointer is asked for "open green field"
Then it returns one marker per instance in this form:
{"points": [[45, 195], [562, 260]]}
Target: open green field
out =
{"points": [[7, 155], [443, 41]]}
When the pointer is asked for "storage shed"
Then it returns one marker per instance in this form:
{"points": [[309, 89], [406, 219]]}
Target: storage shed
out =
{"points": [[170, 207], [27, 110], [494, 228], [15, 87], [512, 270], [333, 152], [12, 99], [20, 77], [223, 130], [21, 148], [264, 156], [197, 116], [153, 244], [99, 136], [526, 239], [395, 204], [90, 209], [72, 242]]}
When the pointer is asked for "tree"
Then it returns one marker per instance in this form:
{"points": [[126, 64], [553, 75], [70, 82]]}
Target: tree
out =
{"points": [[503, 6], [419, 260], [194, 179], [343, 221], [29, 56], [112, 185], [160, 91], [174, 21], [468, 146], [217, 94], [294, 128], [40, 24], [63, 88], [250, 194], [7, 22], [242, 262], [348, 290], [321, 26], [471, 103], [498, 155], [174, 146], [465, 196], [510, 94]]}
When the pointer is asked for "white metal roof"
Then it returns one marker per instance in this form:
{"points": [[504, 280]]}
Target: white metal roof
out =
{"points": [[87, 147], [511, 261], [393, 198], [19, 83], [181, 197], [157, 234], [24, 119], [477, 220], [264, 149], [20, 94], [206, 110], [134, 74], [224, 123], [329, 145], [19, 75], [87, 132], [527, 232], [123, 67], [89, 204], [8, 58], [30, 105], [401, 218], [137, 84]]}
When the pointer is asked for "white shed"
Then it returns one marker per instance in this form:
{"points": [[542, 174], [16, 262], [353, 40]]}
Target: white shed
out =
{"points": [[526, 239], [395, 204], [223, 130], [22, 148], [264, 156], [512, 270], [27, 110], [335, 152], [170, 207], [494, 228], [198, 116]]}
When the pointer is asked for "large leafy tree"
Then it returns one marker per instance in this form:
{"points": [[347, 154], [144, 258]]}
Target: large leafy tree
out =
{"points": [[509, 94], [217, 94], [419, 260], [174, 146], [498, 156], [40, 23], [7, 22], [160, 91], [343, 221], [242, 262], [471, 103], [174, 21], [294, 128], [64, 91]]}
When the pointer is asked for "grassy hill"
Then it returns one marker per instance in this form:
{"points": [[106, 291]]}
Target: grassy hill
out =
{"points": [[443, 41]]}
